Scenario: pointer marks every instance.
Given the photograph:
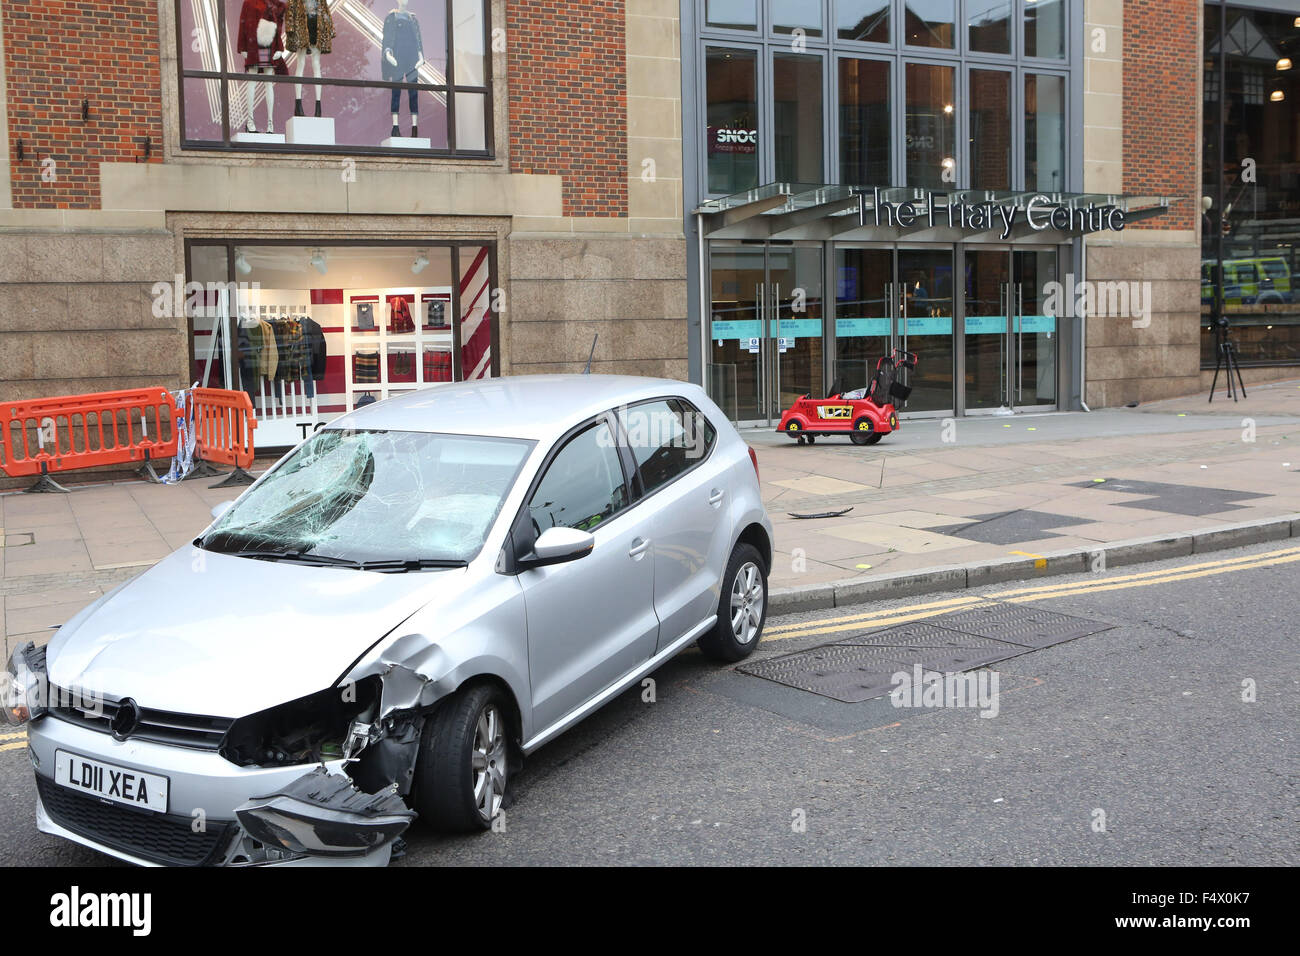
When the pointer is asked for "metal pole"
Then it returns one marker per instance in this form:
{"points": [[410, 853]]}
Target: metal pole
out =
{"points": [[1218, 310]]}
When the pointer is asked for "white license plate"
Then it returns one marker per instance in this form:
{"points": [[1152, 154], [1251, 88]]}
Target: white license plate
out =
{"points": [[114, 783]]}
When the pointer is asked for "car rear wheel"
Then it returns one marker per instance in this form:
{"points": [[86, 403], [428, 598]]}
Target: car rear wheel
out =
{"points": [[462, 773], [742, 608], [863, 430], [873, 438]]}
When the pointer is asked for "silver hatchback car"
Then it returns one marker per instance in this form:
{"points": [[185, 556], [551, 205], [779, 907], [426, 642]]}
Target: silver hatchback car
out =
{"points": [[390, 618]]}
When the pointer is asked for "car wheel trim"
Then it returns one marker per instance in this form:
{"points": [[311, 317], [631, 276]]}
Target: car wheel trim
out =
{"points": [[489, 762], [746, 603]]}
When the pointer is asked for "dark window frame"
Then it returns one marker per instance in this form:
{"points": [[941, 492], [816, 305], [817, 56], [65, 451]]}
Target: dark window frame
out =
{"points": [[455, 245], [226, 76]]}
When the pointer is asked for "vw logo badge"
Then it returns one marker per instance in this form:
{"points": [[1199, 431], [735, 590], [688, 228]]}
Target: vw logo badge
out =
{"points": [[126, 719]]}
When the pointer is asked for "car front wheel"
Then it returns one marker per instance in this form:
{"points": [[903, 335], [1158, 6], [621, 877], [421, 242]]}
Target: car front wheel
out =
{"points": [[463, 769], [742, 607]]}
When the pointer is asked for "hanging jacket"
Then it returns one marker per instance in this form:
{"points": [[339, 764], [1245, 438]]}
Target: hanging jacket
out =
{"points": [[297, 31], [316, 348], [402, 321]]}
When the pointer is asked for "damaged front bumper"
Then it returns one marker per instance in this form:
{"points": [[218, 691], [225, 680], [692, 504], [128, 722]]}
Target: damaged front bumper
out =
{"points": [[324, 814], [217, 813]]}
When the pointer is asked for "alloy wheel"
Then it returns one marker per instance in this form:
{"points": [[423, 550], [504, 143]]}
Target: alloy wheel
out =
{"points": [[489, 762], [746, 603]]}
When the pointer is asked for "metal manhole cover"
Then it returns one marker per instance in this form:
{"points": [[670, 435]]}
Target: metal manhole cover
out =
{"points": [[916, 634], [850, 673], [1026, 626], [861, 667]]}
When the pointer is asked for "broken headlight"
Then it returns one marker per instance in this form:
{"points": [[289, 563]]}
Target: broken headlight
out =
{"points": [[324, 814], [23, 685], [311, 729]]}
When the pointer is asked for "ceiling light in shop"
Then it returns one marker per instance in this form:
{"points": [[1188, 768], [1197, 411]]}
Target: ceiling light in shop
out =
{"points": [[241, 264], [420, 262], [1277, 96], [1284, 63], [318, 261]]}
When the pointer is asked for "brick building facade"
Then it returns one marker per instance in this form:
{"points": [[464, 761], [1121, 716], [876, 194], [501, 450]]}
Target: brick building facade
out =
{"points": [[517, 221]]}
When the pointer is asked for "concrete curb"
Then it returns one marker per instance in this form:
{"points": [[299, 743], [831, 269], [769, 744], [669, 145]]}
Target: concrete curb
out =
{"points": [[856, 591]]}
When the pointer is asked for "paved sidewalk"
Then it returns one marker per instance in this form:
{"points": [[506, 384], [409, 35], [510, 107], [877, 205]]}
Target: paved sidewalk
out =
{"points": [[951, 492], [935, 494]]}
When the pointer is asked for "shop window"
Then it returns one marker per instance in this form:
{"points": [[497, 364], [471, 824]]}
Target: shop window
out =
{"points": [[990, 129], [929, 23], [1250, 265], [1044, 132], [731, 91], [864, 121], [797, 117], [930, 126], [315, 75], [311, 332], [865, 20], [988, 25], [1045, 28]]}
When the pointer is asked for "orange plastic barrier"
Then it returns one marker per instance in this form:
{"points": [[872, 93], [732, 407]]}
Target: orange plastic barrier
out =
{"points": [[46, 436], [223, 424]]}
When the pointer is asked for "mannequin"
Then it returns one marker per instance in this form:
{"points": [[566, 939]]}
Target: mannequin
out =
{"points": [[260, 40], [308, 31], [403, 54]]}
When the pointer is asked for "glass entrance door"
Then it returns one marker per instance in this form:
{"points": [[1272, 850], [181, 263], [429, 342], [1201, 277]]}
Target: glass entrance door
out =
{"points": [[765, 330], [925, 325], [793, 349], [734, 379], [1010, 344], [1037, 341], [896, 298], [987, 328]]}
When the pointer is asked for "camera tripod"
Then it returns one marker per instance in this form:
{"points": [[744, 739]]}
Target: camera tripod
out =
{"points": [[1226, 359]]}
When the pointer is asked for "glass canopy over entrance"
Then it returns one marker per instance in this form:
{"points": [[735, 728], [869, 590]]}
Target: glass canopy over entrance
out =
{"points": [[808, 286]]}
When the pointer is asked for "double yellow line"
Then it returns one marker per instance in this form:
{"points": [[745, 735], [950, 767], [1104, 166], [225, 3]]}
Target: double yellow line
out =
{"points": [[20, 741], [917, 612]]}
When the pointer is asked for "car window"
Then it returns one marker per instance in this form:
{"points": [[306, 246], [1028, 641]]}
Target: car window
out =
{"points": [[583, 485], [666, 437]]}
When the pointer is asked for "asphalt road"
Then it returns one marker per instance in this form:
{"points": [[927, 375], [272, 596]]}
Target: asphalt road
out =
{"points": [[1141, 727]]}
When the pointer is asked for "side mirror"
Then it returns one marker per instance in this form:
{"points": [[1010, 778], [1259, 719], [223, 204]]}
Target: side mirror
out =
{"points": [[558, 545], [221, 508]]}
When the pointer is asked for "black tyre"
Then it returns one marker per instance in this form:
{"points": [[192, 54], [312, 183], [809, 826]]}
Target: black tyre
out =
{"points": [[463, 768], [863, 429], [873, 438], [742, 608], [812, 439]]}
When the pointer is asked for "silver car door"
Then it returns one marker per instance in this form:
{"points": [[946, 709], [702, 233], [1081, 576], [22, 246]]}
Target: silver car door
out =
{"points": [[591, 620], [685, 497]]}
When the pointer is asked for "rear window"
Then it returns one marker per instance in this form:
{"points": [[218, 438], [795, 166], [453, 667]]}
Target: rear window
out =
{"points": [[667, 437]]}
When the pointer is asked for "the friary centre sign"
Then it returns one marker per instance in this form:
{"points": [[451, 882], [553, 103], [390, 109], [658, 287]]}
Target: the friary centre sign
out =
{"points": [[940, 210]]}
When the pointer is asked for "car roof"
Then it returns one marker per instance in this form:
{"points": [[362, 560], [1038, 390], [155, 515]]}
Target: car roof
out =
{"points": [[538, 407]]}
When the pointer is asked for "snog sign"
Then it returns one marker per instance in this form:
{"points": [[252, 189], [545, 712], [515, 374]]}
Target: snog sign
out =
{"points": [[1041, 212]]}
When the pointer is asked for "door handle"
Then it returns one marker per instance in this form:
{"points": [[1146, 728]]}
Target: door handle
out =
{"points": [[715, 497], [639, 547]]}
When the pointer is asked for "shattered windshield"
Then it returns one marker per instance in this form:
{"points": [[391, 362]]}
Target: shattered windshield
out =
{"points": [[375, 498]]}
